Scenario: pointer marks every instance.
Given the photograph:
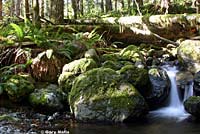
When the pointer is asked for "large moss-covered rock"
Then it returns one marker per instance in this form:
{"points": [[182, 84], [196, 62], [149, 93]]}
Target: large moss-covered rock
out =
{"points": [[138, 77], [132, 53], [46, 99], [80, 66], [160, 87], [188, 54], [110, 57], [192, 106], [197, 84], [115, 65], [100, 95], [19, 86], [65, 81]]}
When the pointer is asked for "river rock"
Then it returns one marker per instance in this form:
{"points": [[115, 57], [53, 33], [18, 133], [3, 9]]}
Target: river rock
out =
{"points": [[183, 80], [132, 53], [65, 81], [192, 106], [115, 65], [19, 86], [80, 66], [138, 77], [100, 95], [160, 86], [188, 55], [197, 84], [91, 53], [46, 99]]}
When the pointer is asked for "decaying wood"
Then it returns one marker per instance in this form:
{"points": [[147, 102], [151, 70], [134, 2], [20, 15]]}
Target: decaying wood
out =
{"points": [[159, 29]]}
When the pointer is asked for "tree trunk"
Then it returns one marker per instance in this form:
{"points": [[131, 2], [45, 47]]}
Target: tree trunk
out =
{"points": [[129, 6], [18, 7], [27, 12], [42, 9], [122, 2], [57, 11], [1, 16], [102, 6], [36, 13], [12, 8], [75, 8], [81, 7], [115, 5], [108, 5]]}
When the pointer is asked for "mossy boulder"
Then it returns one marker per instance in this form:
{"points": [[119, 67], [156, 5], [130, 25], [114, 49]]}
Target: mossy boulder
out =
{"points": [[138, 77], [160, 87], [192, 106], [65, 81], [80, 66], [132, 53], [197, 84], [91, 53], [19, 87], [110, 57], [115, 65], [100, 95], [47, 99], [188, 54]]}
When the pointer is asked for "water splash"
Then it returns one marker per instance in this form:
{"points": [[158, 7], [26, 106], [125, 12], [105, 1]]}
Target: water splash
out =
{"points": [[175, 108]]}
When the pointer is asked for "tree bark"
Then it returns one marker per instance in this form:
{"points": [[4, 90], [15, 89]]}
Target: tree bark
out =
{"points": [[18, 7], [1, 16], [27, 12], [36, 13], [42, 9], [102, 6], [75, 8], [108, 5], [57, 11]]}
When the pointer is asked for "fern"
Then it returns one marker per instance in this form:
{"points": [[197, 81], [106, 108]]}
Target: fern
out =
{"points": [[18, 31]]}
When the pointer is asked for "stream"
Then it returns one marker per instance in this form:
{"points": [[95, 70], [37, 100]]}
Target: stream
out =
{"points": [[172, 119]]}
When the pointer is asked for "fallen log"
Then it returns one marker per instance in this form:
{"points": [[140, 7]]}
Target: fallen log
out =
{"points": [[157, 29]]}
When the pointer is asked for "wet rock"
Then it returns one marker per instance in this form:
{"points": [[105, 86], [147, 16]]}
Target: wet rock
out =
{"points": [[132, 53], [47, 99], [197, 84], [65, 81], [160, 87], [184, 79], [115, 65], [91, 53], [80, 66], [138, 77], [188, 55], [192, 106], [19, 87], [100, 95]]}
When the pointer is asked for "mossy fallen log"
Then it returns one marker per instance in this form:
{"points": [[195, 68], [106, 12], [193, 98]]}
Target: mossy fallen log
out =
{"points": [[140, 29]]}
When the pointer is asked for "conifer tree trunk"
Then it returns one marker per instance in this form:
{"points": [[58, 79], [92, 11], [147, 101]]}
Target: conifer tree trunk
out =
{"points": [[81, 7], [42, 9], [1, 16], [27, 12], [18, 7], [115, 5], [75, 8], [102, 6], [57, 11], [36, 12], [108, 5]]}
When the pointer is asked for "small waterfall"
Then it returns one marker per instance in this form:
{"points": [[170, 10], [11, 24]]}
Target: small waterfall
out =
{"points": [[175, 108]]}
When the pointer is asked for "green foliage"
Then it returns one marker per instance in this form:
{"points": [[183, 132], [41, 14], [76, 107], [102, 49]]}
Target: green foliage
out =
{"points": [[18, 31]]}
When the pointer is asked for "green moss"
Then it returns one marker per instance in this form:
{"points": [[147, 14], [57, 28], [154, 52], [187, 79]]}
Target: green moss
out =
{"points": [[18, 86], [110, 57], [80, 66], [93, 82], [65, 81]]}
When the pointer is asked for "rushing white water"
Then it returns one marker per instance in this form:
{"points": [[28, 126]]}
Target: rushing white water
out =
{"points": [[175, 108]]}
